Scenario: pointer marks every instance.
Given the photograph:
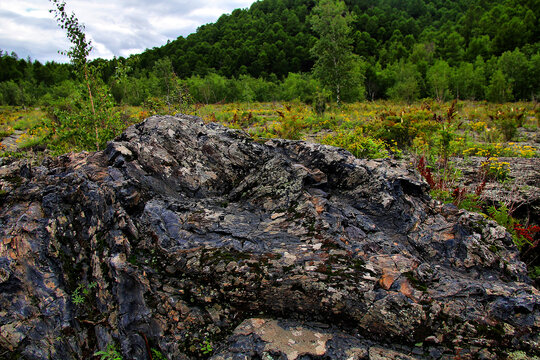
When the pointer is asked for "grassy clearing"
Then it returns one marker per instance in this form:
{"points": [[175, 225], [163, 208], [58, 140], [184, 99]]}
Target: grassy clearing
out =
{"points": [[473, 128], [21, 120], [41, 130], [15, 118], [368, 129], [7, 120]]}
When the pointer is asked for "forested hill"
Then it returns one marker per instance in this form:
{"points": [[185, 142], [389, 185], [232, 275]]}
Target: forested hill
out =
{"points": [[407, 49], [273, 36]]}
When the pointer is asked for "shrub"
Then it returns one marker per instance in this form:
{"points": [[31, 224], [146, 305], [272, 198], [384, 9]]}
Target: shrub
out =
{"points": [[357, 143], [251, 89], [211, 89], [299, 87], [507, 123], [495, 169]]}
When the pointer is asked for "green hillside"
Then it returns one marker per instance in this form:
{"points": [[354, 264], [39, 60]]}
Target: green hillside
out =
{"points": [[407, 49], [273, 37]]}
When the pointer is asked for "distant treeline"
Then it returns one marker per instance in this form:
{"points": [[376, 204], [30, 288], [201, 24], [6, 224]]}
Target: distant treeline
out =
{"points": [[409, 49]]}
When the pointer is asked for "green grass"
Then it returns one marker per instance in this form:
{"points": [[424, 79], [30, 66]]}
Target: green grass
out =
{"points": [[421, 128], [385, 128], [29, 119], [15, 118]]}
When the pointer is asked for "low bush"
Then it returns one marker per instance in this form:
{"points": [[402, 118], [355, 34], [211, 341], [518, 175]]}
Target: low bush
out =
{"points": [[358, 143]]}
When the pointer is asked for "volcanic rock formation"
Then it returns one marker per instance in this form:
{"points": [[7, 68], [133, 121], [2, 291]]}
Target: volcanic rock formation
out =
{"points": [[194, 241]]}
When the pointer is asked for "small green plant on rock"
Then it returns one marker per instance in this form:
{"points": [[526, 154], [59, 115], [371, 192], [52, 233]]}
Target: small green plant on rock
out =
{"points": [[157, 355], [443, 187], [523, 236], [502, 216], [521, 355], [82, 291], [267, 356], [534, 272], [206, 347], [111, 353]]}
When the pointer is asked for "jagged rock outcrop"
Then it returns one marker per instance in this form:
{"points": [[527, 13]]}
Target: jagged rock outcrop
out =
{"points": [[191, 239]]}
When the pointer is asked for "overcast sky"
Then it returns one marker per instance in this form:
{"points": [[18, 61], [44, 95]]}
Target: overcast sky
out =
{"points": [[116, 27]]}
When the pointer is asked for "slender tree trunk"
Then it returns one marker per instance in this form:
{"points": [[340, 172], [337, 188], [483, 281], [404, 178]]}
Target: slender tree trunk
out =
{"points": [[91, 104], [338, 82], [168, 98]]}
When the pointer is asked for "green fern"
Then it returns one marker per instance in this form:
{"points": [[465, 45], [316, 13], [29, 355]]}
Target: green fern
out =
{"points": [[110, 354]]}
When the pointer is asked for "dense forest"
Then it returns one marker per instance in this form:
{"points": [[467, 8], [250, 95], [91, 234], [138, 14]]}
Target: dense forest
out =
{"points": [[405, 50]]}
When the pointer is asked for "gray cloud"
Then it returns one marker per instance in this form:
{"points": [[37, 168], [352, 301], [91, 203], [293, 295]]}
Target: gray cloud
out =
{"points": [[116, 27]]}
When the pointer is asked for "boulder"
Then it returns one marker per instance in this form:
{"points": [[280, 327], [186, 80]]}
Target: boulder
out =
{"points": [[190, 240]]}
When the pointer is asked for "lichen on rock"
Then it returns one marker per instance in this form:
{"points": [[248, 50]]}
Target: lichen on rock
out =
{"points": [[195, 240]]}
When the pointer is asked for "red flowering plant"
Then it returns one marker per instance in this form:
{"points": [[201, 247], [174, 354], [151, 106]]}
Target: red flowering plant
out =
{"points": [[527, 236]]}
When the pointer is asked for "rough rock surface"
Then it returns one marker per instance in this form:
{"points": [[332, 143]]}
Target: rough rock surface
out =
{"points": [[195, 241]]}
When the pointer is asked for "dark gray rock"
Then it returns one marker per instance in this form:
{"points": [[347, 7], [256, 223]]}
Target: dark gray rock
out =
{"points": [[191, 239]]}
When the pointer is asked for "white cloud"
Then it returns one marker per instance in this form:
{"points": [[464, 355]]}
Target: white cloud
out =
{"points": [[116, 27], [207, 12]]}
